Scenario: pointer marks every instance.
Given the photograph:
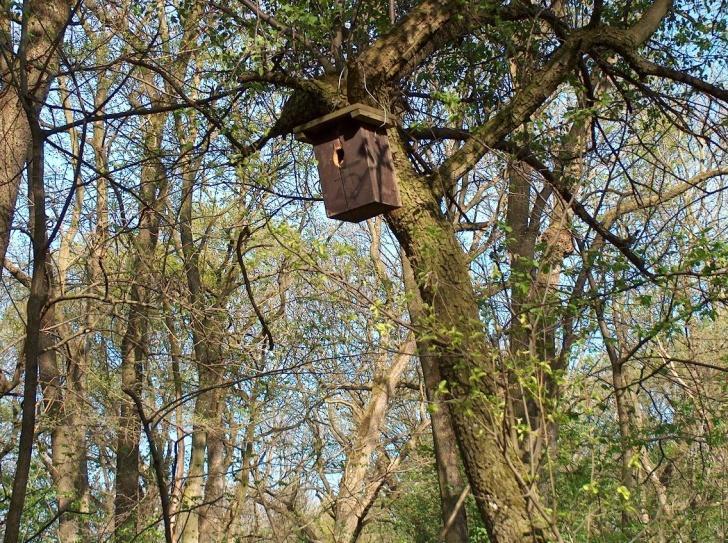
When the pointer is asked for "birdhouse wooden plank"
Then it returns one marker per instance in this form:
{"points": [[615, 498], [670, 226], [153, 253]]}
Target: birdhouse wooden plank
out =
{"points": [[354, 162]]}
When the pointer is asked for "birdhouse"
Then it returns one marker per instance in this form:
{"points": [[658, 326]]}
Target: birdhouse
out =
{"points": [[354, 162]]}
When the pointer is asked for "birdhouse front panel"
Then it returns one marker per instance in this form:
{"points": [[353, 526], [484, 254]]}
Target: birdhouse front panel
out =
{"points": [[355, 166], [327, 157]]}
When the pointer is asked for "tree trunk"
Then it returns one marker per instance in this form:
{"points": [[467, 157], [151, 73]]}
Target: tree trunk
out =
{"points": [[447, 458], [24, 84], [200, 510], [211, 521], [200, 518], [621, 400], [127, 444], [38, 61], [153, 197], [62, 400], [39, 293], [510, 509], [356, 490]]}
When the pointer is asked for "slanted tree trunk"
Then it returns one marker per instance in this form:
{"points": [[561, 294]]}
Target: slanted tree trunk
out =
{"points": [[356, 489], [441, 272]]}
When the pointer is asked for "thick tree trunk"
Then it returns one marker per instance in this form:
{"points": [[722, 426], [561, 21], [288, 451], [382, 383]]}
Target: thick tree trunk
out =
{"points": [[62, 401], [28, 78], [447, 458], [510, 509]]}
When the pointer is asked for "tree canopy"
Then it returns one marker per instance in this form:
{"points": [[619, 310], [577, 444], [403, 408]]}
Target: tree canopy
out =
{"points": [[531, 348]]}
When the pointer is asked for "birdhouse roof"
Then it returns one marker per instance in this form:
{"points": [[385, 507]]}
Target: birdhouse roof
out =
{"points": [[358, 112]]}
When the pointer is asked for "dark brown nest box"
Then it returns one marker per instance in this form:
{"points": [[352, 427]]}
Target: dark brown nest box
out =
{"points": [[354, 162]]}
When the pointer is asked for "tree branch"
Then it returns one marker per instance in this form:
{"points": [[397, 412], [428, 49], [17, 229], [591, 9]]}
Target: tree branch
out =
{"points": [[271, 21], [437, 133], [623, 246], [426, 29], [22, 277], [244, 234], [543, 84], [515, 113], [636, 204], [650, 21], [646, 67]]}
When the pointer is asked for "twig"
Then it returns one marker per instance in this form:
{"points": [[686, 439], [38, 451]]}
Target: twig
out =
{"points": [[245, 234]]}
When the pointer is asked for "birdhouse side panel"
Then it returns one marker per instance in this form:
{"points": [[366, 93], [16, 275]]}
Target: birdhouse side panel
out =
{"points": [[382, 168]]}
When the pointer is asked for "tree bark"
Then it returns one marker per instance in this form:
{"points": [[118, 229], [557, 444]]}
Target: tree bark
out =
{"points": [[510, 509], [200, 507], [447, 458], [27, 78], [153, 197], [62, 400], [25, 81], [39, 293], [356, 491]]}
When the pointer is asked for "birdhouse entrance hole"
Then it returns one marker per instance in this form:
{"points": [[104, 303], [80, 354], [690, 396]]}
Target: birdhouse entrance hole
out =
{"points": [[339, 157], [354, 162]]}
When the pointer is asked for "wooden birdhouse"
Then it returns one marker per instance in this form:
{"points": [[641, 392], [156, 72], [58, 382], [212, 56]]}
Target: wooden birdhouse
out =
{"points": [[354, 162]]}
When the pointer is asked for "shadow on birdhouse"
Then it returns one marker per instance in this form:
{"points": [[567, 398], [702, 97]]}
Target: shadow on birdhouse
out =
{"points": [[354, 162]]}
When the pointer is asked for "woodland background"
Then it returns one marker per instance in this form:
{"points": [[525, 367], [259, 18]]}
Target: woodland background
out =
{"points": [[533, 348]]}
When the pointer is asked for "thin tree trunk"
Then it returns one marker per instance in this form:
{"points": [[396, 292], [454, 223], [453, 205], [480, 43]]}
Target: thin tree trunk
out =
{"points": [[234, 526], [447, 458], [39, 293], [153, 197], [355, 491], [211, 522], [179, 468], [196, 511], [621, 400]]}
